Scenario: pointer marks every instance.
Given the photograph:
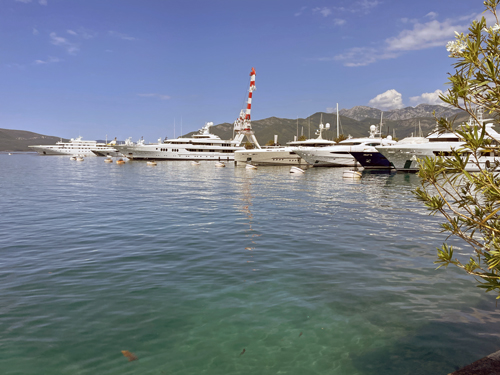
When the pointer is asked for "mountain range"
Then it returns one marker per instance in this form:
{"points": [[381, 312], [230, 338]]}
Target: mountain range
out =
{"points": [[355, 122], [19, 140]]}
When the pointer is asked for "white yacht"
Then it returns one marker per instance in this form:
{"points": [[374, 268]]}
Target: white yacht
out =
{"points": [[370, 158], [201, 146], [339, 155], [282, 155], [73, 147], [108, 152], [405, 156]]}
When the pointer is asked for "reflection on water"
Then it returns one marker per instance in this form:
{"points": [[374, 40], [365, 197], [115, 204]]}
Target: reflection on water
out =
{"points": [[198, 269]]}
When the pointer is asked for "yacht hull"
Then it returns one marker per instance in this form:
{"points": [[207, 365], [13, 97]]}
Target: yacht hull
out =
{"points": [[46, 150], [106, 153], [326, 158], [155, 153], [285, 156], [372, 160], [407, 160]]}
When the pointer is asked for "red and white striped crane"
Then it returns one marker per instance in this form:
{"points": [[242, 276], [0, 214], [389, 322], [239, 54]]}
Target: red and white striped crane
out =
{"points": [[242, 126]]}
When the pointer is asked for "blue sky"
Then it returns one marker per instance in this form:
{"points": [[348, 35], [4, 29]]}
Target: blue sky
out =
{"points": [[131, 68]]}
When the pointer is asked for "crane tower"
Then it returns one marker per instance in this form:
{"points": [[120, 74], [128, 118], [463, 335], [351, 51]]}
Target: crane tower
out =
{"points": [[242, 125]]}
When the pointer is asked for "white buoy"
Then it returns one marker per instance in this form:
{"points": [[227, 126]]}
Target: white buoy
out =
{"points": [[297, 170], [250, 166], [195, 162], [351, 174], [220, 164]]}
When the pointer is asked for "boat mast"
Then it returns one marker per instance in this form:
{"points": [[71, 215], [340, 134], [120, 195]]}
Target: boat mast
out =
{"points": [[338, 120]]}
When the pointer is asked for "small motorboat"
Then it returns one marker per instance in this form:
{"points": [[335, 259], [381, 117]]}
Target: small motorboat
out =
{"points": [[79, 158], [108, 159], [120, 161], [195, 163], [250, 166], [220, 164], [72, 158], [297, 170], [153, 163]]}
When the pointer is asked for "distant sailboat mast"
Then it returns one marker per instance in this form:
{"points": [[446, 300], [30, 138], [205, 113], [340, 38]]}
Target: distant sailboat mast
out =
{"points": [[338, 120]]}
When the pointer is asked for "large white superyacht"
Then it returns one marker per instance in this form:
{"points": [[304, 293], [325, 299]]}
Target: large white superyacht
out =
{"points": [[201, 146], [405, 156], [74, 147], [282, 155], [339, 155]]}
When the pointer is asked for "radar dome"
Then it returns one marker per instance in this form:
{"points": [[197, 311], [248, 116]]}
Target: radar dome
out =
{"points": [[373, 128], [327, 126], [389, 137]]}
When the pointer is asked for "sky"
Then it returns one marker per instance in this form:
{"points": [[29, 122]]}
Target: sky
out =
{"points": [[156, 68]]}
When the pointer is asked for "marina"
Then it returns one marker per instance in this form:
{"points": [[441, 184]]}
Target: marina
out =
{"points": [[187, 266]]}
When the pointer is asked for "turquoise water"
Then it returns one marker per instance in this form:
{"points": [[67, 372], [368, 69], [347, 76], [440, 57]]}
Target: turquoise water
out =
{"points": [[188, 266]]}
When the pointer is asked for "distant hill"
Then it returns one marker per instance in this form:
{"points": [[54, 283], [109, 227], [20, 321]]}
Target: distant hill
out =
{"points": [[355, 121], [19, 140], [420, 111]]}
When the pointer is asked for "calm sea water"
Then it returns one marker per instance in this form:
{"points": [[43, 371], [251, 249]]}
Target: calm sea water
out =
{"points": [[204, 270]]}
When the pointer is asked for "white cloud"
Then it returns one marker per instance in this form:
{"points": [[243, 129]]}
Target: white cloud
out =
{"points": [[41, 2], [120, 35], [428, 98], [362, 6], [367, 5], [391, 99], [421, 36], [339, 22], [35, 31], [408, 20], [48, 61], [299, 13], [362, 56], [82, 33], [424, 35], [324, 11], [431, 15], [159, 96], [71, 48]]}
